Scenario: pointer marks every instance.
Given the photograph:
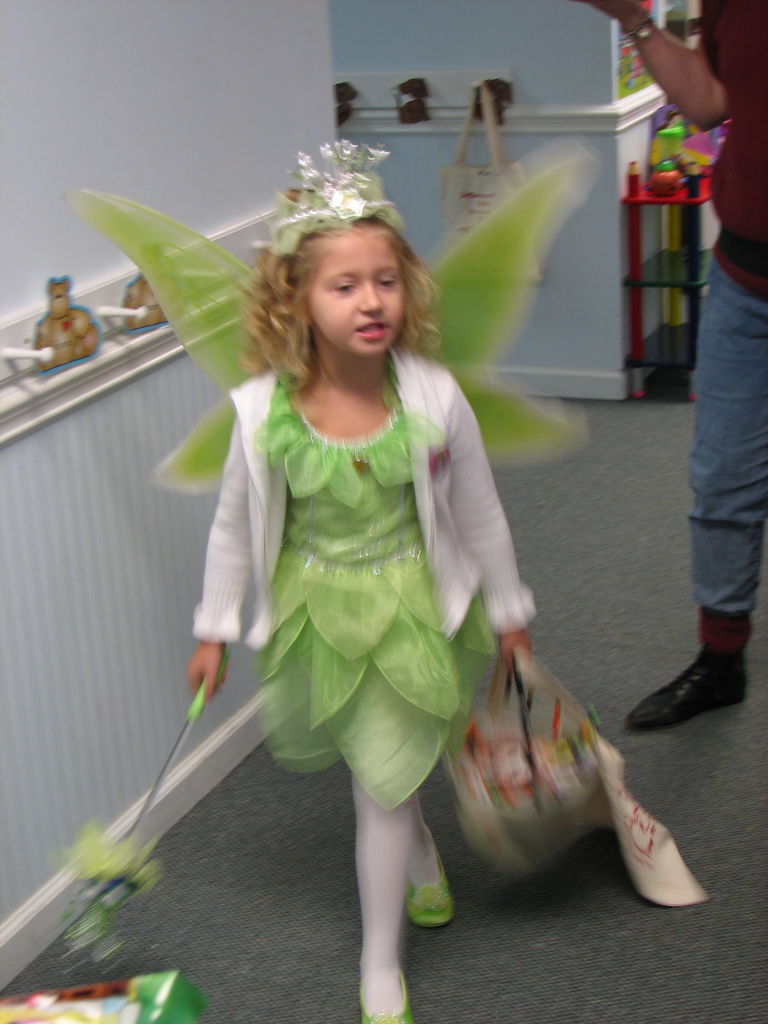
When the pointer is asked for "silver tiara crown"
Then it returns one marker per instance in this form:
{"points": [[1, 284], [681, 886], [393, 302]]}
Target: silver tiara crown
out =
{"points": [[348, 189]]}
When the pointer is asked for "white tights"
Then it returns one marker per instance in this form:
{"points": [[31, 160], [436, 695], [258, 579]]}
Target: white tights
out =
{"points": [[392, 848]]}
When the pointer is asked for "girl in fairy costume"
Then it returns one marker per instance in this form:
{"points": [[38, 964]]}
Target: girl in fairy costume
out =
{"points": [[358, 497]]}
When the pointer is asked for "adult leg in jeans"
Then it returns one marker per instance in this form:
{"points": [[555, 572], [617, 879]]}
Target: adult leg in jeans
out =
{"points": [[729, 477]]}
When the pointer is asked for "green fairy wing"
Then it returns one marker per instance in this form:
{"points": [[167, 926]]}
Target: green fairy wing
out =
{"points": [[517, 426], [486, 283], [200, 287], [197, 463]]}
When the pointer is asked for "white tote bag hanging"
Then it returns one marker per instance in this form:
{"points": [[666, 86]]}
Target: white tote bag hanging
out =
{"points": [[469, 192]]}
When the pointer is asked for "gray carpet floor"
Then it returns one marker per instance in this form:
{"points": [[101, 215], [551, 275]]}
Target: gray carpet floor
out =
{"points": [[258, 903]]}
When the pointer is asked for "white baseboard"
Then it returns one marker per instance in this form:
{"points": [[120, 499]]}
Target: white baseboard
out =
{"points": [[35, 924], [559, 382]]}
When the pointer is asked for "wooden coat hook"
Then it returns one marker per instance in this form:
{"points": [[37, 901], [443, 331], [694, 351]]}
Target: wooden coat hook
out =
{"points": [[501, 95], [345, 93], [414, 109]]}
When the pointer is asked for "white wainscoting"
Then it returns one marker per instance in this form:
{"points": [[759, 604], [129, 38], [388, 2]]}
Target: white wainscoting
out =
{"points": [[101, 571]]}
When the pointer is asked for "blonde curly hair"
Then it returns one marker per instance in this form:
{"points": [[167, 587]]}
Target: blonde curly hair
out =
{"points": [[276, 316]]}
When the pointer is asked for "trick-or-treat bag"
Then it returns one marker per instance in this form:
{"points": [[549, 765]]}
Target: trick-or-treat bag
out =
{"points": [[534, 771]]}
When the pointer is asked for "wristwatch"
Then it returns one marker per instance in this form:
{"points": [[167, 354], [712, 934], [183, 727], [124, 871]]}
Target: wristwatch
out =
{"points": [[640, 32]]}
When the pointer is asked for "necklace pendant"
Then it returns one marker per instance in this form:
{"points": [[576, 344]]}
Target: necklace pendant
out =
{"points": [[360, 464]]}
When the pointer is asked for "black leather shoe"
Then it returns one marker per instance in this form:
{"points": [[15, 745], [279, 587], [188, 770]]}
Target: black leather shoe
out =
{"points": [[712, 681]]}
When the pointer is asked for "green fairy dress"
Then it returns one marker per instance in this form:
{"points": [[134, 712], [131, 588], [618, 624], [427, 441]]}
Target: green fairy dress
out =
{"points": [[357, 665]]}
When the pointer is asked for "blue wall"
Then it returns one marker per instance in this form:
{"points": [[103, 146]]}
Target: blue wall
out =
{"points": [[561, 58], [559, 51]]}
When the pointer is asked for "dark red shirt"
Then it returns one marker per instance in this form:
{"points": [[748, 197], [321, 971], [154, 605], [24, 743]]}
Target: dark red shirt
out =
{"points": [[735, 41]]}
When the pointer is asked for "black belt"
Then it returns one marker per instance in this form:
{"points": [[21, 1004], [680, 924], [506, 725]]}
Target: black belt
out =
{"points": [[743, 253]]}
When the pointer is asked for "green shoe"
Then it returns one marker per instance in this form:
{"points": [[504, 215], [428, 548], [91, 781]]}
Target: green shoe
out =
{"points": [[430, 906], [404, 1017]]}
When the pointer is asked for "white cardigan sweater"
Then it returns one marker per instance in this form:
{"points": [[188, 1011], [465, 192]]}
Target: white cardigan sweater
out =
{"points": [[465, 531]]}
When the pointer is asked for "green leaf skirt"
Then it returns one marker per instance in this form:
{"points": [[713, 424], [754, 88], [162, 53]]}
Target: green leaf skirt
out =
{"points": [[358, 668]]}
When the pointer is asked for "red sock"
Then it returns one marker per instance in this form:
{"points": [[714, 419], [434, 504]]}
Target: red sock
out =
{"points": [[724, 634]]}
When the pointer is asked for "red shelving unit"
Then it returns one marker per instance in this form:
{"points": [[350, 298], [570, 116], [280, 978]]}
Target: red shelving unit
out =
{"points": [[683, 268]]}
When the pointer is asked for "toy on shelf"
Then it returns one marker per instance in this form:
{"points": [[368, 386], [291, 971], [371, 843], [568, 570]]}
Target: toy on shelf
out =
{"points": [[666, 176], [164, 998], [702, 148], [679, 268], [674, 137], [69, 333]]}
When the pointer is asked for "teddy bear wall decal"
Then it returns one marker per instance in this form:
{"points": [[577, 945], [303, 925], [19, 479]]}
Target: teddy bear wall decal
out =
{"points": [[70, 331]]}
